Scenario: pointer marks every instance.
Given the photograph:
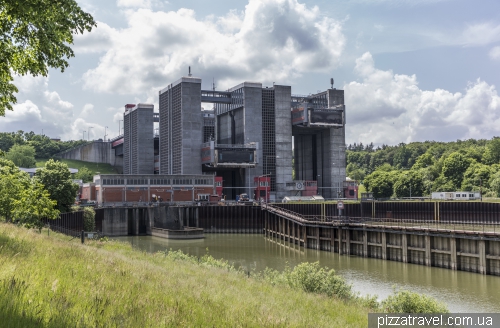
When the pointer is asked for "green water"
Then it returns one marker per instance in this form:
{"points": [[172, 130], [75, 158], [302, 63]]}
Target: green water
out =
{"points": [[461, 291]]}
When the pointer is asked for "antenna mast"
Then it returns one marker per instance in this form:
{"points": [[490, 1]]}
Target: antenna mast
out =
{"points": [[331, 82], [189, 71]]}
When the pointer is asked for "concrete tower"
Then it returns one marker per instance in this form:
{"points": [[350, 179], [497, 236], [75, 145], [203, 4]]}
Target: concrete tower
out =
{"points": [[138, 146], [181, 127]]}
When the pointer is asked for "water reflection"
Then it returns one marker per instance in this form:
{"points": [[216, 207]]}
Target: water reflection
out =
{"points": [[462, 291]]}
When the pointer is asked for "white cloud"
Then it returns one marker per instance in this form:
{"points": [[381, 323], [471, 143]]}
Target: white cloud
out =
{"points": [[273, 40], [481, 34], [41, 109], [495, 53], [135, 3], [98, 41], [389, 108], [88, 110]]}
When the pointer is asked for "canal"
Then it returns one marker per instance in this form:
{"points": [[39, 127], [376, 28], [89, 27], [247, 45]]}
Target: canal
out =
{"points": [[461, 291]]}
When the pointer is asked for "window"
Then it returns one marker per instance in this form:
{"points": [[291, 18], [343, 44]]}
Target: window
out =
{"points": [[457, 195]]}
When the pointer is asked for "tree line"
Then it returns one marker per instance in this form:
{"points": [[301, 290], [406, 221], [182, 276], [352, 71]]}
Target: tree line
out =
{"points": [[24, 147], [419, 168]]}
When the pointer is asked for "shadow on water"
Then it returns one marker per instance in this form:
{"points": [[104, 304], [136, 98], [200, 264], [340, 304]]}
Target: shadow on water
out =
{"points": [[462, 291]]}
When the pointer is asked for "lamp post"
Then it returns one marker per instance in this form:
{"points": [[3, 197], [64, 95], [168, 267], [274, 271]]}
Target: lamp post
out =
{"points": [[83, 136], [88, 133]]}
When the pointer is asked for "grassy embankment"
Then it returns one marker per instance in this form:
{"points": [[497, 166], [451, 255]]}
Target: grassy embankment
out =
{"points": [[50, 281], [94, 167]]}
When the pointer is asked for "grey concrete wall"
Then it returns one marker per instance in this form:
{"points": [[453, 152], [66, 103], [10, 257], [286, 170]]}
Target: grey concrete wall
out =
{"points": [[165, 217], [145, 143], [283, 118], [96, 152], [115, 222], [224, 129], [252, 115], [303, 157], [239, 126], [192, 127]]}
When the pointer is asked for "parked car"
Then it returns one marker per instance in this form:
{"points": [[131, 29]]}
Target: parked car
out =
{"points": [[243, 198]]}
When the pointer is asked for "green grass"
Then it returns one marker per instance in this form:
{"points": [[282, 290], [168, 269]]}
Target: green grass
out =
{"points": [[52, 281], [102, 168]]}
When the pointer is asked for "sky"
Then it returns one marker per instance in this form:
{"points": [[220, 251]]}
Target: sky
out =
{"points": [[412, 70]]}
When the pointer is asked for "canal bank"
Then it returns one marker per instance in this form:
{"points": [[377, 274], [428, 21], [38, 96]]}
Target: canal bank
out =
{"points": [[461, 291]]}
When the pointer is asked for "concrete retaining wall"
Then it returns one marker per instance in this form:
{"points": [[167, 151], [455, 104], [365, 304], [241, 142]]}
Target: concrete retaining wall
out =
{"points": [[96, 152]]}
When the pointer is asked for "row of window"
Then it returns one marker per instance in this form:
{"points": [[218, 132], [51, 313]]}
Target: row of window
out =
{"points": [[464, 196], [114, 182]]}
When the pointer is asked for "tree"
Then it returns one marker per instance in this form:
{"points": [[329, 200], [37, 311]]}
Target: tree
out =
{"points": [[409, 184], [6, 141], [56, 178], [34, 35], [477, 176], [454, 167], [22, 155], [380, 183], [84, 174], [12, 183], [33, 205]]}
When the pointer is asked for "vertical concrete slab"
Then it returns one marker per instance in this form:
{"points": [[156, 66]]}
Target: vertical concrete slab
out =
{"points": [[482, 256], [404, 248], [340, 235], [332, 240], [428, 258], [365, 243], [348, 242], [384, 245], [318, 244], [453, 253]]}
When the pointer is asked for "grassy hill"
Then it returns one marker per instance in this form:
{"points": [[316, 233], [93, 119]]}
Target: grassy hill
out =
{"points": [[54, 281], [94, 167]]}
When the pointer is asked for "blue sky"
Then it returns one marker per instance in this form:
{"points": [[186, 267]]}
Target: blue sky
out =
{"points": [[411, 70]]}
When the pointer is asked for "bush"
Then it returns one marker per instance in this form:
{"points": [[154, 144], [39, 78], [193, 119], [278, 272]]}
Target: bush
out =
{"points": [[404, 301], [310, 277]]}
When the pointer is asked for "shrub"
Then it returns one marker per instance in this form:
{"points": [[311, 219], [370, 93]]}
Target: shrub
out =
{"points": [[88, 218], [312, 278], [404, 301]]}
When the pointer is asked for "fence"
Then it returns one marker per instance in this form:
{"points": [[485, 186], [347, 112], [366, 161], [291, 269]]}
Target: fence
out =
{"points": [[70, 224]]}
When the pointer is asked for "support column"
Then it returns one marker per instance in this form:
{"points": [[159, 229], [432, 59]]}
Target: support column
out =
{"points": [[428, 259], [453, 253], [340, 232], [332, 242], [304, 235], [404, 249], [348, 241], [482, 256], [365, 243], [384, 246], [317, 239], [181, 216], [197, 217], [136, 221]]}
